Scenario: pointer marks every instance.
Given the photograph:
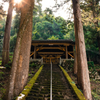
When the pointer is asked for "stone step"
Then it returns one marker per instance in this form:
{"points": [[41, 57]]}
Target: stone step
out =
{"points": [[60, 88]]}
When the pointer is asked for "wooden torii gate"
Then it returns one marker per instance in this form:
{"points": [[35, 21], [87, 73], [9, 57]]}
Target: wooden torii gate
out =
{"points": [[19, 71]]}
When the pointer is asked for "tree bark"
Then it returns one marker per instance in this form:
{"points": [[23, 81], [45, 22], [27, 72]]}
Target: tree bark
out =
{"points": [[20, 64], [83, 74], [5, 53], [75, 61]]}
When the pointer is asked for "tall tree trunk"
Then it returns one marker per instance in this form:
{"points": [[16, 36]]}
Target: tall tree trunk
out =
{"points": [[20, 65], [5, 53], [76, 53], [83, 74], [75, 61]]}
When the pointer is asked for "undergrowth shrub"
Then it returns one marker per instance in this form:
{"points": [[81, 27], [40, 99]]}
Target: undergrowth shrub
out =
{"points": [[1, 74], [68, 64], [8, 65], [91, 65], [35, 64], [32, 64]]}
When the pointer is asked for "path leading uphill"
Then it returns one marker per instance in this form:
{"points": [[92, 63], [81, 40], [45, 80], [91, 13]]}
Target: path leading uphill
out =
{"points": [[61, 90]]}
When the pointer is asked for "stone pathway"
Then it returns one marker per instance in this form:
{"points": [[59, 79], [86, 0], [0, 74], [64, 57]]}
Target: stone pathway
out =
{"points": [[60, 87]]}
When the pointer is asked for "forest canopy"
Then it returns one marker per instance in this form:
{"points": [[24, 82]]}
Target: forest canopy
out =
{"points": [[47, 26]]}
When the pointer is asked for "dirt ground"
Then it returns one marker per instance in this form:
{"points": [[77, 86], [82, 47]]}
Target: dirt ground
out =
{"points": [[4, 78]]}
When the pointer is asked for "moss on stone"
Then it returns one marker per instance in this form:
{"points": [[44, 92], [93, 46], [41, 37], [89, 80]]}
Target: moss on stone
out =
{"points": [[29, 86], [76, 90]]}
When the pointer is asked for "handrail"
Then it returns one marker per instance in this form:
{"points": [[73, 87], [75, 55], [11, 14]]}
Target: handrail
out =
{"points": [[51, 84]]}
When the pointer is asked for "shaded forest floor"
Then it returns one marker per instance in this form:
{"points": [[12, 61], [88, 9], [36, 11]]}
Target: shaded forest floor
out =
{"points": [[4, 76], [95, 83]]}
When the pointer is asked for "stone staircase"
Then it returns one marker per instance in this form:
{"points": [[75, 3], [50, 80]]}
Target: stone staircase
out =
{"points": [[61, 90]]}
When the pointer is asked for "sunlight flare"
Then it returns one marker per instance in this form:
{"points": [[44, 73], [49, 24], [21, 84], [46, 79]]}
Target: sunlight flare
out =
{"points": [[17, 1]]}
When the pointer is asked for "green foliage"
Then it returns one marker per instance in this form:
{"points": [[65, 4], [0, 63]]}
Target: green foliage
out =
{"points": [[29, 75], [2, 25], [0, 62], [11, 53], [68, 64], [2, 90], [90, 38], [8, 66], [53, 38], [33, 65], [33, 72], [90, 64], [1, 74], [49, 27], [13, 42], [97, 67], [90, 18], [95, 95], [15, 24], [92, 68], [48, 11], [93, 56], [14, 31], [46, 26], [2, 12], [70, 30]]}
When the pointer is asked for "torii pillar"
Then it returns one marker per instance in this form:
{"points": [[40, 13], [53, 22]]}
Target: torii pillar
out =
{"points": [[66, 53], [34, 52]]}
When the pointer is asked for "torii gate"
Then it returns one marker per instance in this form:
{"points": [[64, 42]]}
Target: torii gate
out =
{"points": [[20, 65]]}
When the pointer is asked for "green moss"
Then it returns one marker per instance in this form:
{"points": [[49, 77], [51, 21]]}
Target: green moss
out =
{"points": [[76, 90], [11, 53], [0, 62], [29, 86]]}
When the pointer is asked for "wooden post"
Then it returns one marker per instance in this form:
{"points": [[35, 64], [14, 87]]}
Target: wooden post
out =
{"points": [[34, 52], [60, 61], [73, 52], [57, 60], [83, 74], [66, 53], [50, 60], [42, 60]]}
